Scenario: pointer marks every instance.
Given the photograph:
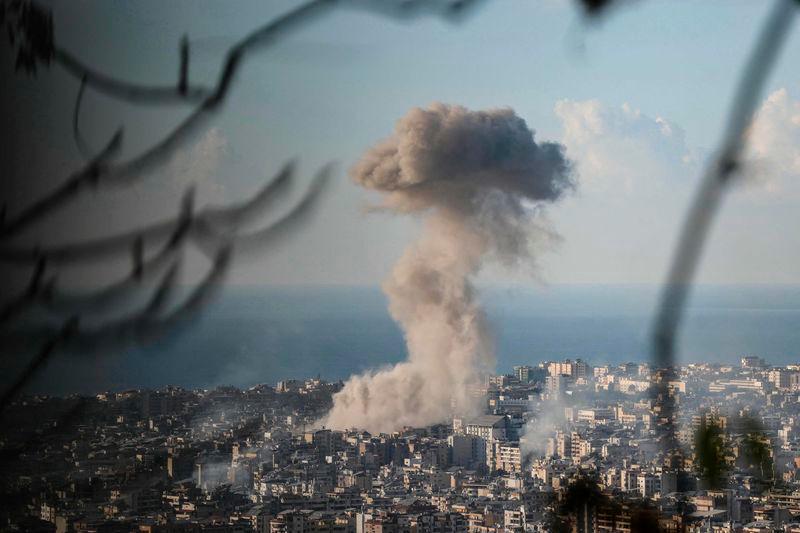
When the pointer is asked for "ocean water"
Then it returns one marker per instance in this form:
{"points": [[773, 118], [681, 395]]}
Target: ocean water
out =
{"points": [[253, 335]]}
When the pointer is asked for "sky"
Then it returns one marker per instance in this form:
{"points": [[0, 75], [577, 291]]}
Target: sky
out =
{"points": [[638, 99]]}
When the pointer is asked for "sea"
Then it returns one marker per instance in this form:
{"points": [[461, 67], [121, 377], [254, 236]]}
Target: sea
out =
{"points": [[251, 335]]}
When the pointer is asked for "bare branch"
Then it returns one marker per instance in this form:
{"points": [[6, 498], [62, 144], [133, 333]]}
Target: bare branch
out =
{"points": [[37, 276], [717, 177], [212, 230], [80, 142], [210, 237], [104, 300], [48, 296], [144, 326], [69, 189], [109, 335], [451, 10], [183, 74], [126, 173], [18, 304], [48, 350], [123, 90], [169, 94], [246, 212], [207, 102], [115, 245]]}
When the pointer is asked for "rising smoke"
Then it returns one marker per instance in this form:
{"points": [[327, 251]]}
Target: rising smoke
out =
{"points": [[547, 418], [479, 179]]}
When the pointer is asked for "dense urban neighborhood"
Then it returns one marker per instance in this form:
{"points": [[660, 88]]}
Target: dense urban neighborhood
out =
{"points": [[559, 446]]}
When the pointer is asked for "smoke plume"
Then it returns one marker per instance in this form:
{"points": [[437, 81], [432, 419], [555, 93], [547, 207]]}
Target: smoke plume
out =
{"points": [[548, 418], [478, 178]]}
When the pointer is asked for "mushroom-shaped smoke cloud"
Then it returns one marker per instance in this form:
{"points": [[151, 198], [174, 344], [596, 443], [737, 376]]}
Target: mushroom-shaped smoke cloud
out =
{"points": [[479, 178]]}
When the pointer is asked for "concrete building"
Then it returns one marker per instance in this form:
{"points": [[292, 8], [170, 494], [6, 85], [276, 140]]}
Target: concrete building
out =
{"points": [[488, 427]]}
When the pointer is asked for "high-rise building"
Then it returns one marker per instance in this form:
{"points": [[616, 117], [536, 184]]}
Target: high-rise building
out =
{"points": [[556, 385], [784, 379], [563, 446], [523, 373], [648, 484], [489, 427], [561, 368], [528, 374], [577, 369], [467, 450], [581, 369], [751, 361]]}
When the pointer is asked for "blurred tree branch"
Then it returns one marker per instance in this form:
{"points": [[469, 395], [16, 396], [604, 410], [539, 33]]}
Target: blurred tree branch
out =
{"points": [[216, 231]]}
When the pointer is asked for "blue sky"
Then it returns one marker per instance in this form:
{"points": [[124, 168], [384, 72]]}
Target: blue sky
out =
{"points": [[638, 99]]}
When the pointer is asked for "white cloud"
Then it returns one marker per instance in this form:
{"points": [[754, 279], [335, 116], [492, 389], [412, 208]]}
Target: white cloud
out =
{"points": [[621, 149], [774, 144], [635, 174]]}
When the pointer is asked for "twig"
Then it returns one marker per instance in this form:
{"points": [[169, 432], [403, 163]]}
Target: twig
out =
{"points": [[113, 245], [123, 90], [80, 143], [210, 237], [44, 354]]}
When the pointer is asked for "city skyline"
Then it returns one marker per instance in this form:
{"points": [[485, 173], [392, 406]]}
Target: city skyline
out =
{"points": [[259, 460]]}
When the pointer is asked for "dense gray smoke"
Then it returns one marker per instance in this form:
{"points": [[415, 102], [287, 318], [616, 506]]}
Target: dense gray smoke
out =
{"points": [[478, 178]]}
